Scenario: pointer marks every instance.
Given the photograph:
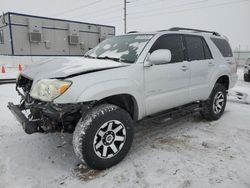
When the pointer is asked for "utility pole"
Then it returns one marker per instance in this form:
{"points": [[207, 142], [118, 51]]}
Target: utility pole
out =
{"points": [[125, 15]]}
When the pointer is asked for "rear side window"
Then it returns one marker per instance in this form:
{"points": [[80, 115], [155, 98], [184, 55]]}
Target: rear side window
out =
{"points": [[223, 46], [197, 48], [173, 43], [1, 37]]}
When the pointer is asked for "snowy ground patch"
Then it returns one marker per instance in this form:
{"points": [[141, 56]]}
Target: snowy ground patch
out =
{"points": [[189, 152]]}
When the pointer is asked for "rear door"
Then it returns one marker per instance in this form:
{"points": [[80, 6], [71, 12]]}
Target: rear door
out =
{"points": [[166, 85], [202, 66]]}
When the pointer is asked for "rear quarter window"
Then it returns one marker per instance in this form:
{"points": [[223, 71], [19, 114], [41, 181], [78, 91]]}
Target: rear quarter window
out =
{"points": [[223, 47]]}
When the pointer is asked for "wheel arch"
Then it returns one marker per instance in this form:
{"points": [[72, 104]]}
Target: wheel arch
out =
{"points": [[120, 92], [224, 80], [124, 101]]}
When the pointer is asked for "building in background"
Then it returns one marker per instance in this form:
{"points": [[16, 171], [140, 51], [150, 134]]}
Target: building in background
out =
{"points": [[26, 35], [27, 40]]}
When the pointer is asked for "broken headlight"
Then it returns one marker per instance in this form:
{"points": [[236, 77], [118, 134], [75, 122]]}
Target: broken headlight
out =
{"points": [[49, 89]]}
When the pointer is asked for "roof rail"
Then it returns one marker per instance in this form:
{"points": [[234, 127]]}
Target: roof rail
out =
{"points": [[195, 30]]}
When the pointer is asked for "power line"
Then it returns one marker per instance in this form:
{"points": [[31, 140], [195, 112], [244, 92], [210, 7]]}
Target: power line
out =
{"points": [[146, 3], [174, 6], [185, 10], [99, 13], [78, 8], [186, 4], [113, 20]]}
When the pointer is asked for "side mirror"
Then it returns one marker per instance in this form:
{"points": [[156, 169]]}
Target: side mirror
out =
{"points": [[158, 57]]}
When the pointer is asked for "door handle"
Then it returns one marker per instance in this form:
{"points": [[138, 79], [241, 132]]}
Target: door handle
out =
{"points": [[211, 64], [184, 68]]}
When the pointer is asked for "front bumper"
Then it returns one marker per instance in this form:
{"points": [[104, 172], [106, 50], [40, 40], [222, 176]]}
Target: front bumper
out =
{"points": [[49, 117], [39, 116], [29, 126]]}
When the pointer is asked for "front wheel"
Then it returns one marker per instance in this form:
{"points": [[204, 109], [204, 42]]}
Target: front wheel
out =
{"points": [[104, 136], [214, 107]]}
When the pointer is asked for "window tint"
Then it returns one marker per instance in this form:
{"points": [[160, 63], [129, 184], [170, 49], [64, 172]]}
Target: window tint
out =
{"points": [[172, 43], [1, 37], [223, 46], [195, 48]]}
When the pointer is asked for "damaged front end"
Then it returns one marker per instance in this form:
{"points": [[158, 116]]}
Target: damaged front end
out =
{"points": [[38, 116]]}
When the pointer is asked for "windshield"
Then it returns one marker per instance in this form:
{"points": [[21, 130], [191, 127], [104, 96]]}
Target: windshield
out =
{"points": [[125, 48]]}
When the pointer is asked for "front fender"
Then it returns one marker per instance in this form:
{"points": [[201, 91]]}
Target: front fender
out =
{"points": [[105, 89]]}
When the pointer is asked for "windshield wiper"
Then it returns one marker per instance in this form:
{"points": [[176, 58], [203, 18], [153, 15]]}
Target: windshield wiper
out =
{"points": [[115, 59], [110, 58]]}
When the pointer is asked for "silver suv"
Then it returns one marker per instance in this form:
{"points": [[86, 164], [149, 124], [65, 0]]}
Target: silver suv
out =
{"points": [[125, 79]]}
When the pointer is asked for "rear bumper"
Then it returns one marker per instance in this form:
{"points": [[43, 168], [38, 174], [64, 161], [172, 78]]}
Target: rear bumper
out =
{"points": [[29, 126]]}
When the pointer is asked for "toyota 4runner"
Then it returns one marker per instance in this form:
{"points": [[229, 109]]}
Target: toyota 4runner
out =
{"points": [[124, 79]]}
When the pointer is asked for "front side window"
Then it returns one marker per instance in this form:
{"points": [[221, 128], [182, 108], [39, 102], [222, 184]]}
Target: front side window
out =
{"points": [[1, 37], [126, 48], [173, 43], [223, 47]]}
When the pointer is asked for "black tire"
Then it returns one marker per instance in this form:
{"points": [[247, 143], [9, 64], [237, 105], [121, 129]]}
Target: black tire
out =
{"points": [[210, 111], [247, 77], [89, 129]]}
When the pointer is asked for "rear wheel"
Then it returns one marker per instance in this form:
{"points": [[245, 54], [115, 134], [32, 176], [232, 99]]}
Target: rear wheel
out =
{"points": [[247, 77], [104, 136], [214, 107]]}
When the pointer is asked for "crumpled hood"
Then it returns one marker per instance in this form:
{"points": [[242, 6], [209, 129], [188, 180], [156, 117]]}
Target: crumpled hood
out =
{"points": [[61, 67]]}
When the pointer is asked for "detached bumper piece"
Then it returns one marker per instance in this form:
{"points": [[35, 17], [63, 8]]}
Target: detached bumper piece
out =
{"points": [[29, 126]]}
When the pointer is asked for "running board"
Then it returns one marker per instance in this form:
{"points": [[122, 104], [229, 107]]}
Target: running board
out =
{"points": [[175, 113]]}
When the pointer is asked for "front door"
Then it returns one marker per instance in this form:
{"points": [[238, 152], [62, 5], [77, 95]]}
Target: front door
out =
{"points": [[167, 85]]}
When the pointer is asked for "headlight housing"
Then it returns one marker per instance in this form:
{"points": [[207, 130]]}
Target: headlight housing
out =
{"points": [[49, 89]]}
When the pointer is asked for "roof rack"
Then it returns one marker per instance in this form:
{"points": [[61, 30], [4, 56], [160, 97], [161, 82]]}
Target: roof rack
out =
{"points": [[195, 30]]}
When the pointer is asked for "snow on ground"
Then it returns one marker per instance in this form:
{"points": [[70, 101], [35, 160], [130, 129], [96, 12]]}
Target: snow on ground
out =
{"points": [[189, 152]]}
